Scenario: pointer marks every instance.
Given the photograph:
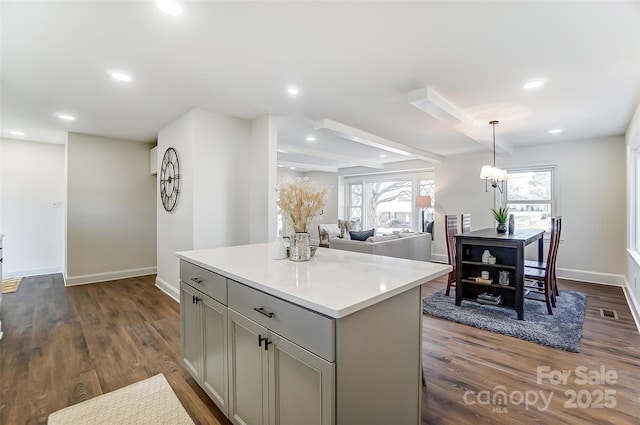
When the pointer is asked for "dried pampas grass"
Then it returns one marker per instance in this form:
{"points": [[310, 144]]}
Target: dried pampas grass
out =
{"points": [[301, 201]]}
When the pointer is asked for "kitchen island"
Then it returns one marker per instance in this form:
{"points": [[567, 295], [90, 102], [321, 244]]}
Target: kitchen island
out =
{"points": [[333, 340]]}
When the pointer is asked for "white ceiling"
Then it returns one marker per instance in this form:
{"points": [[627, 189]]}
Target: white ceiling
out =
{"points": [[354, 62]]}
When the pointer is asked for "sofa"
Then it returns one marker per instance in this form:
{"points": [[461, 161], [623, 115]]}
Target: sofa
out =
{"points": [[413, 246]]}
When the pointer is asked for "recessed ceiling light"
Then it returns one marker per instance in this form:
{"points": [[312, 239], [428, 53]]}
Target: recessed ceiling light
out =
{"points": [[170, 7], [292, 168], [382, 155], [120, 76], [534, 84], [66, 117], [311, 138], [293, 90], [17, 133], [555, 131]]}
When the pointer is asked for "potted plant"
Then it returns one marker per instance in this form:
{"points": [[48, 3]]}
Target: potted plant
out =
{"points": [[501, 214]]}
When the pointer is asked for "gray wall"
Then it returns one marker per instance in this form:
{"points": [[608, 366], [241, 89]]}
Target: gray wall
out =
{"points": [[591, 194], [111, 214]]}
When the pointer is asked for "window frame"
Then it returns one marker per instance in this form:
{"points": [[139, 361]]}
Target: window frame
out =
{"points": [[553, 201], [415, 177]]}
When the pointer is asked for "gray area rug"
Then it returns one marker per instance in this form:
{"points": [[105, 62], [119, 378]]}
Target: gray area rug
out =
{"points": [[561, 330]]}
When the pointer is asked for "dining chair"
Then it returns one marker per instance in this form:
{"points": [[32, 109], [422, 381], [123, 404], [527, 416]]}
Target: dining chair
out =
{"points": [[542, 281], [543, 264], [451, 229], [465, 219]]}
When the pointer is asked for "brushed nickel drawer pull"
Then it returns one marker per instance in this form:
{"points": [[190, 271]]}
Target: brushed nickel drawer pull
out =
{"points": [[262, 311], [197, 280]]}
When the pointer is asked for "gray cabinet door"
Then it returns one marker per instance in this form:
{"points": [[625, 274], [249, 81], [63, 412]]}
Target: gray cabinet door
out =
{"points": [[191, 330], [301, 385], [248, 371], [215, 371]]}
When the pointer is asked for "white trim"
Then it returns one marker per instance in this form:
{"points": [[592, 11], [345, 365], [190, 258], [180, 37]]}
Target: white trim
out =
{"points": [[32, 272], [591, 277], [635, 256], [168, 289], [439, 258], [634, 305], [103, 277]]}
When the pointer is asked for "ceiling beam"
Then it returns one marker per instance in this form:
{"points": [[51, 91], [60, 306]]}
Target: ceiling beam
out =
{"points": [[307, 166], [330, 156], [433, 103], [368, 139]]}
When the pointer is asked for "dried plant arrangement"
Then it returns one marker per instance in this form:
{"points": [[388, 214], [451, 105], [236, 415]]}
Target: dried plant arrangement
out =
{"points": [[301, 200]]}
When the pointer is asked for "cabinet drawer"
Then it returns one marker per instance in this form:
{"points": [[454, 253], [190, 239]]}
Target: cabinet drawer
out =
{"points": [[306, 328], [208, 282]]}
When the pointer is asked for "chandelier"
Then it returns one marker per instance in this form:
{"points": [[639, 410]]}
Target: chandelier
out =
{"points": [[492, 174]]}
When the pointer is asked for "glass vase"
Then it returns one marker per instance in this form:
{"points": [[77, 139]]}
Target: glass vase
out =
{"points": [[300, 247]]}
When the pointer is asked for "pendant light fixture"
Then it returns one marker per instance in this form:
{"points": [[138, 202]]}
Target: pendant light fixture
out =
{"points": [[488, 172]]}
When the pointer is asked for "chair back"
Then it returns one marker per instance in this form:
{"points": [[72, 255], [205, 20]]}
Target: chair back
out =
{"points": [[465, 219], [556, 222], [451, 229], [553, 245]]}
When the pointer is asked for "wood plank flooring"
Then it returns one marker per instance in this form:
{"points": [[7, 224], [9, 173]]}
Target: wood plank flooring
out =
{"points": [[65, 345], [464, 365]]}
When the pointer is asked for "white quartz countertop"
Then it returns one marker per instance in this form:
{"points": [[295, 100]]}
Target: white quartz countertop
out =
{"points": [[334, 282]]}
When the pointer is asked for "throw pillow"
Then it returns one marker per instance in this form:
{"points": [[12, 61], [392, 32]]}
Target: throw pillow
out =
{"points": [[347, 226], [363, 235]]}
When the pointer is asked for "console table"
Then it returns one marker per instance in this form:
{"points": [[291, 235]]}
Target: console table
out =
{"points": [[509, 252]]}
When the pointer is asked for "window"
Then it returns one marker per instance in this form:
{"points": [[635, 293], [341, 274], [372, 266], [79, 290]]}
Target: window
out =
{"points": [[427, 188], [530, 196], [387, 203], [355, 202]]}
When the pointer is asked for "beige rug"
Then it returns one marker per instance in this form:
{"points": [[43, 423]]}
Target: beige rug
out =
{"points": [[148, 402], [10, 285]]}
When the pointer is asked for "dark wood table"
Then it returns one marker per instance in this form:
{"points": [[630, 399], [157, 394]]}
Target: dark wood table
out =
{"points": [[509, 252]]}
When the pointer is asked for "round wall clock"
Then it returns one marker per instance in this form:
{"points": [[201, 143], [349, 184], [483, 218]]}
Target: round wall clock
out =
{"points": [[169, 179]]}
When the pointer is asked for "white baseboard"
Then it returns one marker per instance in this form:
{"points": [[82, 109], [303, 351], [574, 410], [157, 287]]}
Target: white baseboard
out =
{"points": [[634, 305], [31, 272], [168, 289], [591, 277], [440, 258], [103, 277]]}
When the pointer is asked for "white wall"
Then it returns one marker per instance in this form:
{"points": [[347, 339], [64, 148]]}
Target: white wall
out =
{"points": [[263, 160], [111, 220], [590, 191], [32, 181], [221, 146], [330, 214], [175, 228], [224, 161]]}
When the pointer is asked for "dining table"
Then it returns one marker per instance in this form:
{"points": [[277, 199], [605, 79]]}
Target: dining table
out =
{"points": [[499, 281]]}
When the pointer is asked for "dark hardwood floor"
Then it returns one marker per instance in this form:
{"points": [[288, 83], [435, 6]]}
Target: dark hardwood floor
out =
{"points": [[65, 345], [464, 365]]}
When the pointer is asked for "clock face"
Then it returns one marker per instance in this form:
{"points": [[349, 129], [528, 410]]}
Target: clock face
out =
{"points": [[169, 179]]}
